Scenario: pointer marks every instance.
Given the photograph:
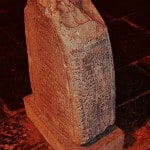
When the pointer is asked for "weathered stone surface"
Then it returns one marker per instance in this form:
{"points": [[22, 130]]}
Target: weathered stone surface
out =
{"points": [[71, 67], [114, 140]]}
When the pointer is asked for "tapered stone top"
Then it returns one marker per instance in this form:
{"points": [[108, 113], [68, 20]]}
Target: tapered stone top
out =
{"points": [[71, 67]]}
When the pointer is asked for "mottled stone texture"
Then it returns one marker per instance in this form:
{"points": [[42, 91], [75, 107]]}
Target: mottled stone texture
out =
{"points": [[111, 140], [71, 67]]}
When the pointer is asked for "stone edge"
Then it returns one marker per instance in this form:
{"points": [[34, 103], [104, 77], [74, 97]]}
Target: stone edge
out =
{"points": [[113, 141]]}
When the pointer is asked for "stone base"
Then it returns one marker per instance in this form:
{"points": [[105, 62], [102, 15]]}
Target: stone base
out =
{"points": [[113, 141]]}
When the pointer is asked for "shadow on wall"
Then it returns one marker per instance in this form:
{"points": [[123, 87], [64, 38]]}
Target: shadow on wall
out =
{"points": [[14, 78]]}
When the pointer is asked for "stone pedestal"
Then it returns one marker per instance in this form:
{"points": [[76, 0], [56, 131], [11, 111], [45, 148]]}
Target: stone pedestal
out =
{"points": [[113, 139], [72, 73]]}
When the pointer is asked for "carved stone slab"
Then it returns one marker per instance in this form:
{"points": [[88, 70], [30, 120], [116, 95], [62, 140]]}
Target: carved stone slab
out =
{"points": [[71, 67]]}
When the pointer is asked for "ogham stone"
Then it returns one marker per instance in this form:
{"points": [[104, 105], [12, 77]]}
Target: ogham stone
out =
{"points": [[71, 67]]}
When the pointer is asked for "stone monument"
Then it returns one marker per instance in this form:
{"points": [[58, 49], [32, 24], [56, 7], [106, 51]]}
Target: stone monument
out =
{"points": [[72, 75]]}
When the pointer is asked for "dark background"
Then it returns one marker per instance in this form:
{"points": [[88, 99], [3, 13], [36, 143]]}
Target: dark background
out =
{"points": [[129, 29]]}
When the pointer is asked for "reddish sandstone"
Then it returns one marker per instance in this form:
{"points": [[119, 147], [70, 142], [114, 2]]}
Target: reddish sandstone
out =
{"points": [[71, 68]]}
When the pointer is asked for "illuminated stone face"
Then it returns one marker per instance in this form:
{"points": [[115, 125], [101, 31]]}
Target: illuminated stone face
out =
{"points": [[71, 67]]}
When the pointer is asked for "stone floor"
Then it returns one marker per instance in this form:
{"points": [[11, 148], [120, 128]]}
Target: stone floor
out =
{"points": [[129, 28]]}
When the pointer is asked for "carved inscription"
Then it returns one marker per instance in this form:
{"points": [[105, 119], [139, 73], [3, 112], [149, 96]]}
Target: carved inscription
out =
{"points": [[51, 86], [73, 69], [92, 82]]}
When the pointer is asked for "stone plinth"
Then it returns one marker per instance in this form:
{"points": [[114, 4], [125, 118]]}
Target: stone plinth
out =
{"points": [[71, 69], [112, 140]]}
